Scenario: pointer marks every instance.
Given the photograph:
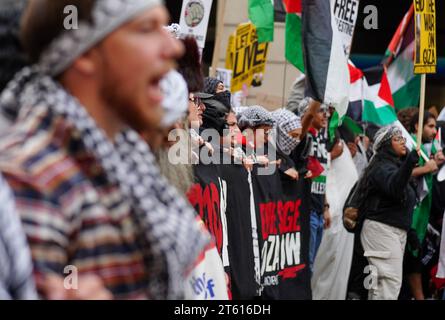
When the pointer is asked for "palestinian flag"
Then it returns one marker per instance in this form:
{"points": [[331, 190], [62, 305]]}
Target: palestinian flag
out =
{"points": [[355, 108], [293, 39], [371, 100], [326, 65], [377, 93], [378, 103], [405, 85]]}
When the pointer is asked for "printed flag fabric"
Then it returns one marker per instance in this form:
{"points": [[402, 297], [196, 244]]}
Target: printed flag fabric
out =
{"points": [[376, 94], [405, 85], [326, 64], [293, 39], [261, 13]]}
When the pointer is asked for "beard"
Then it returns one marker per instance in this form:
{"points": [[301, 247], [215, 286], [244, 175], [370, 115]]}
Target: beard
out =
{"points": [[125, 103], [179, 175]]}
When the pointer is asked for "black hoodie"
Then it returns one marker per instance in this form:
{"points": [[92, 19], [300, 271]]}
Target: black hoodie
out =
{"points": [[389, 180]]}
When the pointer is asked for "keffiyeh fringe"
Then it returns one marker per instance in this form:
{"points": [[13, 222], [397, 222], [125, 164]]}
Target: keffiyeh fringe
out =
{"points": [[173, 237]]}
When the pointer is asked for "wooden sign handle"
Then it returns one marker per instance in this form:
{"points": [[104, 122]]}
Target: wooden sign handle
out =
{"points": [[421, 110]]}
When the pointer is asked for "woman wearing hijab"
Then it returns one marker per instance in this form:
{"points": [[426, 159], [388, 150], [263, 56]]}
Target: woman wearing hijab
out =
{"points": [[390, 202], [213, 86], [216, 88]]}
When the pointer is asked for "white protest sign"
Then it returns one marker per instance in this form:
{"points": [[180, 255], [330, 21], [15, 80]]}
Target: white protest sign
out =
{"points": [[195, 19], [345, 14], [225, 75]]}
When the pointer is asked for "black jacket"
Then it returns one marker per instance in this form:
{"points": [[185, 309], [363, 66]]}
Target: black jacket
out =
{"points": [[390, 184]]}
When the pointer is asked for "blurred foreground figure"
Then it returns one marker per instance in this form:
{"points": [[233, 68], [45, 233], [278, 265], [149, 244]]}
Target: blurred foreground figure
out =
{"points": [[15, 260], [87, 188], [16, 280], [12, 57]]}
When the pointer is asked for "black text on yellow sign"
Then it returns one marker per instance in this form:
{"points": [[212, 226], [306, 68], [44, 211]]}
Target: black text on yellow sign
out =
{"points": [[245, 56], [425, 60]]}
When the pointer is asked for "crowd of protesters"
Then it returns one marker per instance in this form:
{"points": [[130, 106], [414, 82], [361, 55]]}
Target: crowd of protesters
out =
{"points": [[90, 176]]}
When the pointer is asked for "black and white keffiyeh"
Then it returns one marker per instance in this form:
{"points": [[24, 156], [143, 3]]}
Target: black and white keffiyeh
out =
{"points": [[174, 238], [176, 100], [254, 116], [107, 16], [286, 121], [384, 136]]}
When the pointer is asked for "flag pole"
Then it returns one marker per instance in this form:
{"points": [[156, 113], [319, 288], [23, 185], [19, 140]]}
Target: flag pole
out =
{"points": [[421, 110], [221, 8]]}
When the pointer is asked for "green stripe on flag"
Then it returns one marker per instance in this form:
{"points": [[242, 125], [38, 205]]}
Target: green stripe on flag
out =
{"points": [[334, 123], [262, 15], [352, 125], [408, 95], [294, 46], [382, 116], [321, 179]]}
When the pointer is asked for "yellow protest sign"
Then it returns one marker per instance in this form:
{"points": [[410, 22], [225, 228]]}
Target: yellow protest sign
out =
{"points": [[230, 52], [246, 57], [425, 26]]}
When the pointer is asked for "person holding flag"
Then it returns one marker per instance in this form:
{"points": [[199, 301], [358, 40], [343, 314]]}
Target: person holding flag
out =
{"points": [[388, 211], [318, 164], [425, 174]]}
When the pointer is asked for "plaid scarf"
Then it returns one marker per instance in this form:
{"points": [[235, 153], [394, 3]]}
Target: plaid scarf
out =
{"points": [[173, 237]]}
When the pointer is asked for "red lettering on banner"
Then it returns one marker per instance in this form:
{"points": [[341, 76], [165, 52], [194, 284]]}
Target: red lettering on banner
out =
{"points": [[297, 224], [207, 203], [288, 215], [268, 219]]}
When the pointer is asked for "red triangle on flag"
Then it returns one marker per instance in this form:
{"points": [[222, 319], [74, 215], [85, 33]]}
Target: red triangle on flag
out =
{"points": [[314, 166], [354, 73], [292, 6], [385, 90]]}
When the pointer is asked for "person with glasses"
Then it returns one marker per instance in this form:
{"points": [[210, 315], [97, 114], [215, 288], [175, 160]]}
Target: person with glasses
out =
{"points": [[389, 211], [196, 109]]}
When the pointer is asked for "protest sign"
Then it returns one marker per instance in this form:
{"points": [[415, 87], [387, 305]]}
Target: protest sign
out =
{"points": [[246, 57], [195, 20], [425, 29], [345, 14]]}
